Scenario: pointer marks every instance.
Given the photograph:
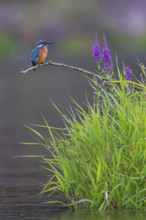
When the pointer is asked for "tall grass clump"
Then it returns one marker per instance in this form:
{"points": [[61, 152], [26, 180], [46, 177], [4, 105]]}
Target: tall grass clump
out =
{"points": [[98, 159]]}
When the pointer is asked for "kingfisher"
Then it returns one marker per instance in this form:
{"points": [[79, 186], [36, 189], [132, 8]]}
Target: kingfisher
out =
{"points": [[39, 52]]}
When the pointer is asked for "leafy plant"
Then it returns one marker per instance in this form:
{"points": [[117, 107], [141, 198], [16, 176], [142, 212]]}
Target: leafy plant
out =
{"points": [[98, 159]]}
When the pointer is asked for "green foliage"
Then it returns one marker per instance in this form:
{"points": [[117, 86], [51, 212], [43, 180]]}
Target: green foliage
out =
{"points": [[7, 44], [73, 46], [99, 159]]}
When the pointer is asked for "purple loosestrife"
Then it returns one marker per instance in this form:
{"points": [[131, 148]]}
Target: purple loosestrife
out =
{"points": [[96, 53], [107, 59], [128, 73]]}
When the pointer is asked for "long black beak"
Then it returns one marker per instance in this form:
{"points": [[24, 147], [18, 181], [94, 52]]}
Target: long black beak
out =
{"points": [[50, 43]]}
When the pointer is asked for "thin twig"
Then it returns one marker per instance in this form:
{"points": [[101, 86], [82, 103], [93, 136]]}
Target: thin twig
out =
{"points": [[60, 65]]}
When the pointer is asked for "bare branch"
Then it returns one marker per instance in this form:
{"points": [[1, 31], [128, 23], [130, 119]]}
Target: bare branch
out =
{"points": [[60, 65]]}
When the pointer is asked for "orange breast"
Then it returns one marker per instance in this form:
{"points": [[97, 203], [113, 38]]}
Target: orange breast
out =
{"points": [[42, 55]]}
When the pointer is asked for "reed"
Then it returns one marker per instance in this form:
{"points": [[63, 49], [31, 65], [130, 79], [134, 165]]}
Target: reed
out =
{"points": [[98, 159]]}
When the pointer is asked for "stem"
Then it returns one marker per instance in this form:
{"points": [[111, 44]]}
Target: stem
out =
{"points": [[60, 65]]}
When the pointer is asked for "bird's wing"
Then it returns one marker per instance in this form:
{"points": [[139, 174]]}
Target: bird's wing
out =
{"points": [[34, 55]]}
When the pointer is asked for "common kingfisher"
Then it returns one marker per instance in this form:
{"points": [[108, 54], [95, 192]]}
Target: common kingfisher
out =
{"points": [[40, 52]]}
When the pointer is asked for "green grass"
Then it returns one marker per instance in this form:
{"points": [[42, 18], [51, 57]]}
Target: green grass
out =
{"points": [[98, 159]]}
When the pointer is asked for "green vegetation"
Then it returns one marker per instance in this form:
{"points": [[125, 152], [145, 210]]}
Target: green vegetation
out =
{"points": [[7, 44], [98, 159]]}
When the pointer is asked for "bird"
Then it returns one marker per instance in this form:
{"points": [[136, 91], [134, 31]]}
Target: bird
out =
{"points": [[39, 52]]}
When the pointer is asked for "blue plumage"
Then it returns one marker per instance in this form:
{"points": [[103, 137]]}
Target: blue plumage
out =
{"points": [[35, 52], [41, 42], [34, 55]]}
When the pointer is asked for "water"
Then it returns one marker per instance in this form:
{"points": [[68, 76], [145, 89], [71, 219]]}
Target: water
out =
{"points": [[94, 215], [23, 99], [25, 203]]}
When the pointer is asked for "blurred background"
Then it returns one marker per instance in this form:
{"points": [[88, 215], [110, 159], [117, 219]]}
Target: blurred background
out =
{"points": [[72, 25]]}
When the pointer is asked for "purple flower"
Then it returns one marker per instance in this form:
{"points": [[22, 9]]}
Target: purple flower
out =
{"points": [[96, 53], [128, 73], [108, 64]]}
